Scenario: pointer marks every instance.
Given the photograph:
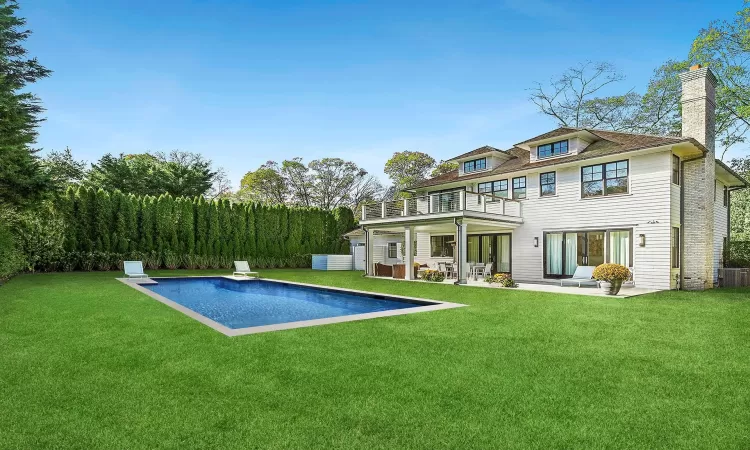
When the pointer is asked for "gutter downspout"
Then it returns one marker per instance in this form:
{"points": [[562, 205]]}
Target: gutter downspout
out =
{"points": [[682, 221], [458, 260]]}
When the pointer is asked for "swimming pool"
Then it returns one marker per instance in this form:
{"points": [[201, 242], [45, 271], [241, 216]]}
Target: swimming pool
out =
{"points": [[248, 306]]}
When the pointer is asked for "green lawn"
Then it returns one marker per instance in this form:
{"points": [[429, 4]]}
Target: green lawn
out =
{"points": [[88, 362]]}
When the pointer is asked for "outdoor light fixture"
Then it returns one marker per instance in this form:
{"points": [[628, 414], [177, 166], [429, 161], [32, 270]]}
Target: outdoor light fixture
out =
{"points": [[536, 242], [642, 240]]}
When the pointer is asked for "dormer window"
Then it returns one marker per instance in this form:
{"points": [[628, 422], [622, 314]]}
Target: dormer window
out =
{"points": [[552, 149], [475, 165]]}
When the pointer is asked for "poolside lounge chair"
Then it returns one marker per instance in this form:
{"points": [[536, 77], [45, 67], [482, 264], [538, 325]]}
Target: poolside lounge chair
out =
{"points": [[582, 276], [243, 268], [134, 269]]}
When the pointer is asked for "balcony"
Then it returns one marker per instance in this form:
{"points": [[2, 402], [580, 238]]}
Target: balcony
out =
{"points": [[451, 204]]}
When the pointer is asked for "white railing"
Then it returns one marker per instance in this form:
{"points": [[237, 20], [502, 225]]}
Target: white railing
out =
{"points": [[442, 202]]}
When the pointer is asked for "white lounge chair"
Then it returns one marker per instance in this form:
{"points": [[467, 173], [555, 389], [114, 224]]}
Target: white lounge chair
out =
{"points": [[582, 276], [243, 268], [134, 269]]}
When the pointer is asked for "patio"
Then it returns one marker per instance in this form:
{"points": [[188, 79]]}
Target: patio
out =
{"points": [[591, 291]]}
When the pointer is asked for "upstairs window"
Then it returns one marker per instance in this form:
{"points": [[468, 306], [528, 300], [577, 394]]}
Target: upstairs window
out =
{"points": [[475, 165], [519, 187], [553, 149], [604, 179], [496, 188], [676, 169], [547, 183]]}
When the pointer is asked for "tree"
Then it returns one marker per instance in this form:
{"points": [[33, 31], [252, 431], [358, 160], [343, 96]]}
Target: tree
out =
{"points": [[177, 174], [266, 185], [408, 168], [740, 213], [63, 170], [444, 167], [300, 182], [21, 176], [334, 180]]}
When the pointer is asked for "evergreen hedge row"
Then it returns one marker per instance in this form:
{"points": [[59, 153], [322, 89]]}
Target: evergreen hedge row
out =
{"points": [[102, 229]]}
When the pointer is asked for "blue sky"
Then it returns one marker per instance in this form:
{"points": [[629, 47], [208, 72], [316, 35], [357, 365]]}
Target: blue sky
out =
{"points": [[243, 81]]}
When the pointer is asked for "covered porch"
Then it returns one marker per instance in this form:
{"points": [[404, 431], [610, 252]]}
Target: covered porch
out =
{"points": [[456, 242]]}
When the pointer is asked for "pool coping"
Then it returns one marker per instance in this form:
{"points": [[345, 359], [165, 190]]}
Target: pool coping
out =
{"points": [[431, 305]]}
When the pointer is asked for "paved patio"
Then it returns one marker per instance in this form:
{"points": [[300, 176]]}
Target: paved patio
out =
{"points": [[593, 291]]}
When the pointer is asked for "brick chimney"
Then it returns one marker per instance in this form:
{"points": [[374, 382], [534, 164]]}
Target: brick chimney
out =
{"points": [[699, 178]]}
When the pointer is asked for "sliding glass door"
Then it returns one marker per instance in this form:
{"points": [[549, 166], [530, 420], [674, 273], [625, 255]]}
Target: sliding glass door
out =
{"points": [[564, 251], [492, 249]]}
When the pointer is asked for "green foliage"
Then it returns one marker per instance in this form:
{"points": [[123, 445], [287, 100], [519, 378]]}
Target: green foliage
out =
{"points": [[22, 180], [433, 275], [444, 167], [502, 279], [737, 254], [12, 259], [90, 229], [177, 174], [407, 168]]}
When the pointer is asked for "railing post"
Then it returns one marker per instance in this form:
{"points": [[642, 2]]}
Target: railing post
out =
{"points": [[429, 203], [484, 203], [364, 212], [503, 205], [382, 210], [406, 207], [461, 200]]}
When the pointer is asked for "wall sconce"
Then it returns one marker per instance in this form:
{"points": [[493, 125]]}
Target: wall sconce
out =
{"points": [[536, 242], [642, 240]]}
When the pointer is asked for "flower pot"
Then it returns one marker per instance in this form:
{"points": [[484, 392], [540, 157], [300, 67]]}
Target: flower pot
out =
{"points": [[610, 288]]}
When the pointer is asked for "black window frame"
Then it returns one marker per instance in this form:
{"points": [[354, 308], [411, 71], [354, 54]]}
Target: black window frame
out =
{"points": [[474, 165], [676, 178], [444, 239], [551, 147], [494, 188], [603, 172], [674, 247], [726, 197], [394, 246], [542, 183], [519, 187]]}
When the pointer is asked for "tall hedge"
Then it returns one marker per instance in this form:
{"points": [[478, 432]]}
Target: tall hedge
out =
{"points": [[103, 228]]}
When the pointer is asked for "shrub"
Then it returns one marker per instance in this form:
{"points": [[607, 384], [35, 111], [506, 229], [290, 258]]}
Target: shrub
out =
{"points": [[611, 272], [503, 279], [433, 275]]}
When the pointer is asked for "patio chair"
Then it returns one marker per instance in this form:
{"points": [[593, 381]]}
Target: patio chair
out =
{"points": [[630, 282], [243, 268], [582, 276], [450, 270], [476, 269], [134, 269]]}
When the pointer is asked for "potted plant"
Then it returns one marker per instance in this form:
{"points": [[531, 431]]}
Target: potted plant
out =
{"points": [[610, 277]]}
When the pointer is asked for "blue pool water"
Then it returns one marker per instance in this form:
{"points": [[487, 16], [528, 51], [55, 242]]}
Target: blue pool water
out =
{"points": [[240, 304]]}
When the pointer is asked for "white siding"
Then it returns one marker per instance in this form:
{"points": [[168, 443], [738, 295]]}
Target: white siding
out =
{"points": [[647, 209]]}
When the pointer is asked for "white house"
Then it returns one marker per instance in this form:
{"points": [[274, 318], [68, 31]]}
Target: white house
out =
{"points": [[576, 196]]}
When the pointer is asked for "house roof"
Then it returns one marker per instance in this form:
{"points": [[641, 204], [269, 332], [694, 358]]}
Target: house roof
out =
{"points": [[359, 232], [479, 151], [610, 143], [552, 134], [743, 182]]}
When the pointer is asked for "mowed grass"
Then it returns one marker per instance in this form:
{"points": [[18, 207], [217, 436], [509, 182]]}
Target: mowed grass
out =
{"points": [[88, 362]]}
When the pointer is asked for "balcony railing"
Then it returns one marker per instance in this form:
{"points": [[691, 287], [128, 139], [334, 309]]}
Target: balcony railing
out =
{"points": [[443, 202]]}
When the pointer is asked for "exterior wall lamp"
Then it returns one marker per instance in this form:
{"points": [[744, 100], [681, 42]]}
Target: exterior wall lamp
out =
{"points": [[642, 240], [536, 242]]}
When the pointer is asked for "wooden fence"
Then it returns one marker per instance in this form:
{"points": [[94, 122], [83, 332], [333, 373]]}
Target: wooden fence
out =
{"points": [[733, 277]]}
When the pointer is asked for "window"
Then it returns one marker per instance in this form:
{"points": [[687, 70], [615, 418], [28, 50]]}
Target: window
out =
{"points": [[553, 149], [675, 247], [392, 250], [547, 183], [496, 188], [441, 246], [604, 179], [676, 169], [726, 196], [519, 187], [477, 164]]}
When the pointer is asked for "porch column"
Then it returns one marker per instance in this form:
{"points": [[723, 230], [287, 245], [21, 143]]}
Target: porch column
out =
{"points": [[369, 267], [461, 249], [409, 252]]}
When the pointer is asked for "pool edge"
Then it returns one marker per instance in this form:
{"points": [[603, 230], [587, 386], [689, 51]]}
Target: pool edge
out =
{"points": [[427, 305]]}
